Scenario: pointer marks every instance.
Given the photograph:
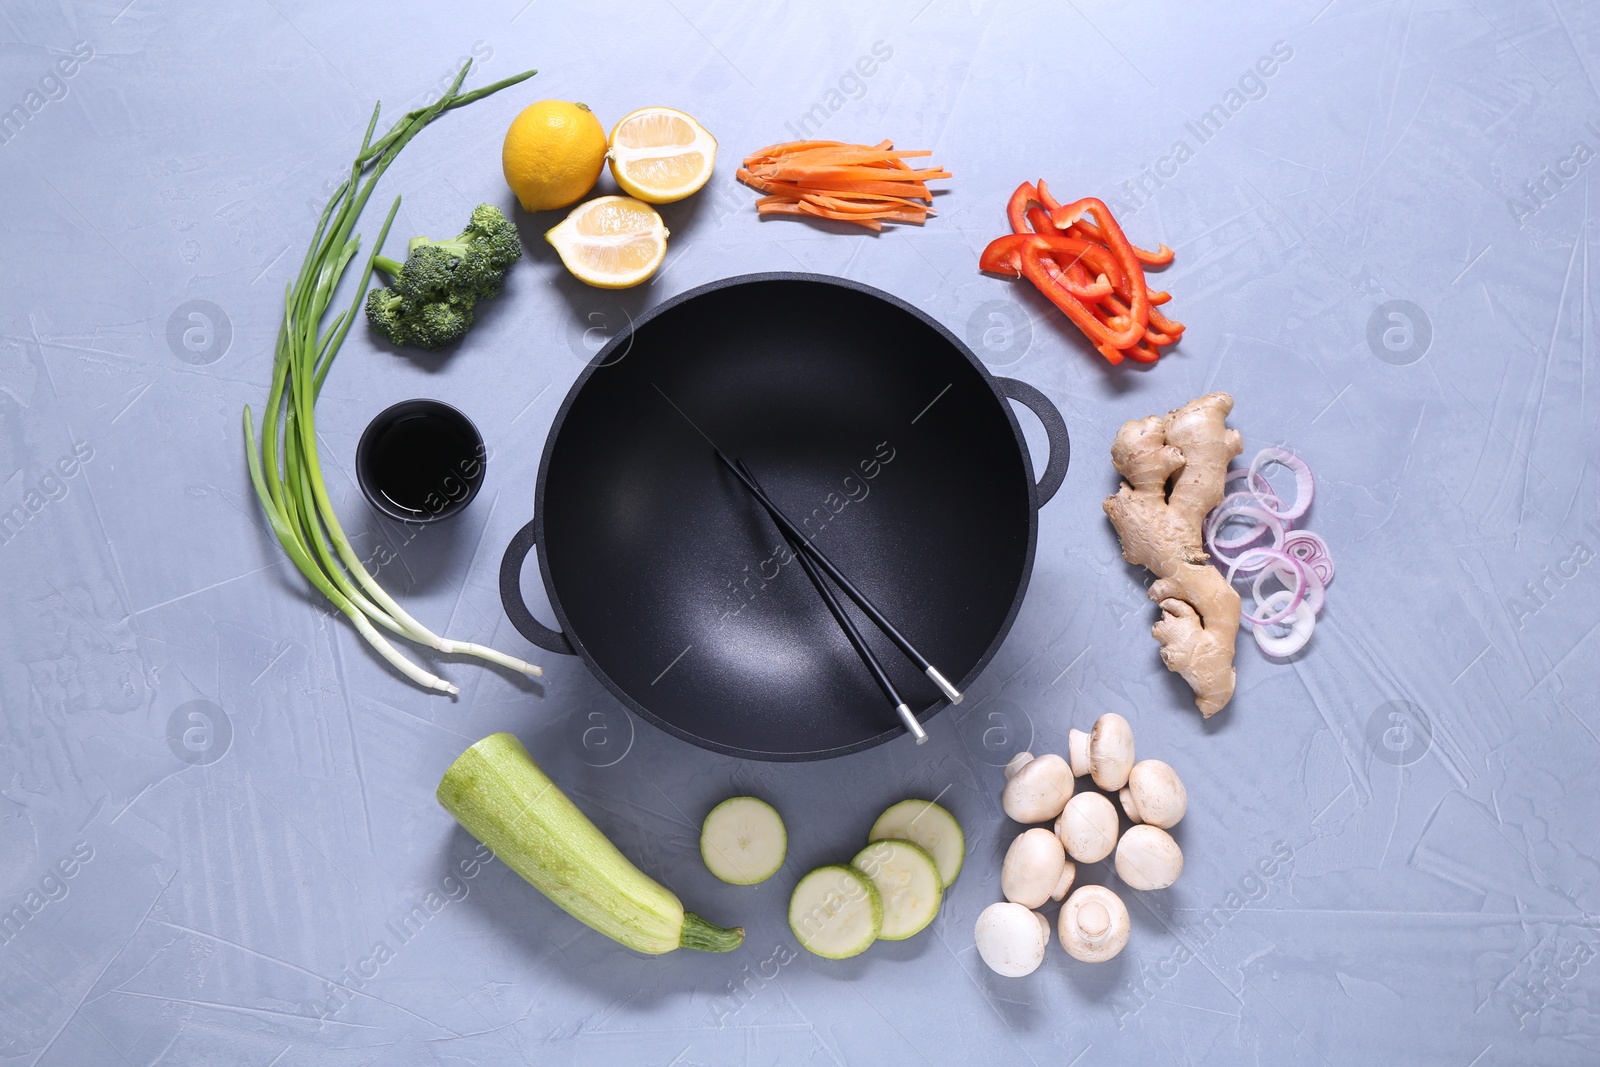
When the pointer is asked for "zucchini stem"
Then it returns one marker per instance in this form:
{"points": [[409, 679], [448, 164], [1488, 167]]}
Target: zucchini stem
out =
{"points": [[709, 937]]}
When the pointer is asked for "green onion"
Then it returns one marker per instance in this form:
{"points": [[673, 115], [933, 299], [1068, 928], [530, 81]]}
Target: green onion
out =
{"points": [[285, 468]]}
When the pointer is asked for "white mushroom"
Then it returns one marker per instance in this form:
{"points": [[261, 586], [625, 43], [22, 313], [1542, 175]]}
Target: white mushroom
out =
{"points": [[1148, 857], [1069, 872], [1155, 794], [1088, 827], [1016, 763], [1011, 939], [1032, 868], [1078, 752], [1038, 790], [1093, 924], [1110, 751]]}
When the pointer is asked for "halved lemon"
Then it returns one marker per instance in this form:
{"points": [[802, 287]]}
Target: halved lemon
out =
{"points": [[612, 242], [660, 154]]}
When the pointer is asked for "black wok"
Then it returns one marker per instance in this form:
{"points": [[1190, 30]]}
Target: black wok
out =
{"points": [[867, 422]]}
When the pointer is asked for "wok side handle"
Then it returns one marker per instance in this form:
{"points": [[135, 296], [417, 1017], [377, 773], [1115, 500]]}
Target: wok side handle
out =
{"points": [[1055, 431], [511, 594]]}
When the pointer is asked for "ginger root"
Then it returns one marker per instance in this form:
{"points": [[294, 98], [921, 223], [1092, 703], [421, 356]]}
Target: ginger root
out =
{"points": [[1174, 470]]}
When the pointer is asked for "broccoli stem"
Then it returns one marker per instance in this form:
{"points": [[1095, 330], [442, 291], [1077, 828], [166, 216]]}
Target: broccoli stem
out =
{"points": [[389, 266]]}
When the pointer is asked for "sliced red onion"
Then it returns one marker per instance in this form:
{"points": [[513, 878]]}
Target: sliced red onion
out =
{"points": [[1311, 550], [1301, 622], [1224, 513], [1220, 515], [1263, 558], [1316, 592], [1302, 480], [1256, 484]]}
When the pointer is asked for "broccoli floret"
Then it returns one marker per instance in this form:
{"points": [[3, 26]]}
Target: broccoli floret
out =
{"points": [[430, 302], [417, 324]]}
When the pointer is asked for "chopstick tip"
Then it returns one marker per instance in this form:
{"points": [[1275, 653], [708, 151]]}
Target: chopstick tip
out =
{"points": [[912, 724], [951, 693]]}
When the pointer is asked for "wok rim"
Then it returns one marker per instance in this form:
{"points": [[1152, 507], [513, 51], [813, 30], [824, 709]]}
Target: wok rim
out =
{"points": [[601, 360]]}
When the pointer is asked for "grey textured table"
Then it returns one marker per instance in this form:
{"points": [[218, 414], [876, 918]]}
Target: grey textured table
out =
{"points": [[1391, 840]]}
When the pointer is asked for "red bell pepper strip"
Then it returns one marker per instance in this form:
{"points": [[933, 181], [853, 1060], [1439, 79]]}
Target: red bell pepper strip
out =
{"points": [[1082, 317], [1165, 325], [1089, 231], [1082, 286], [1117, 241], [1003, 255], [1017, 206], [1029, 210], [1118, 312], [1143, 352]]}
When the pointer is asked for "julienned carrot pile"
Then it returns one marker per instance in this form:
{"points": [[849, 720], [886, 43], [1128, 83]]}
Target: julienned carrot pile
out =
{"points": [[864, 184], [1088, 269]]}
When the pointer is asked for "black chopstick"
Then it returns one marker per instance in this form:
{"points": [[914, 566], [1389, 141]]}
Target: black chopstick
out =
{"points": [[856, 640], [802, 544]]}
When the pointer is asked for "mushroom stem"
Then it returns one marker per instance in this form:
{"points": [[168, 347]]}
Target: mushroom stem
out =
{"points": [[1094, 921], [1078, 752], [1093, 924]]}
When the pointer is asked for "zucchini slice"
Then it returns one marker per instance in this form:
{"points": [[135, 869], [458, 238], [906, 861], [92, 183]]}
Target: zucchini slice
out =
{"points": [[836, 912], [743, 841], [907, 880], [924, 823]]}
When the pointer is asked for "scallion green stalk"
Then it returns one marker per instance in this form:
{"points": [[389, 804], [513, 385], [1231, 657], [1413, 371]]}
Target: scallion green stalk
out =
{"points": [[285, 469]]}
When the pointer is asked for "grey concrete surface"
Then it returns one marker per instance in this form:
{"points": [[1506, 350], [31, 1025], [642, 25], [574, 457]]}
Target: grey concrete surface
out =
{"points": [[218, 837]]}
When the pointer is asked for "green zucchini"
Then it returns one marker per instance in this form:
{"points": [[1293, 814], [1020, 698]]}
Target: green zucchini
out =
{"points": [[500, 795]]}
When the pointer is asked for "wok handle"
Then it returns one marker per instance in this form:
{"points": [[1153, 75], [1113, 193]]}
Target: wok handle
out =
{"points": [[1055, 431], [511, 595]]}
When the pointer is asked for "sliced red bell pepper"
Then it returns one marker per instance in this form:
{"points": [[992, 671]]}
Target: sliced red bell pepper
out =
{"points": [[1099, 334], [1003, 255], [1089, 231], [1017, 206], [1138, 293]]}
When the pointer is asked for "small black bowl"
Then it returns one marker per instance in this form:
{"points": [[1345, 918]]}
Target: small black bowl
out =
{"points": [[420, 461]]}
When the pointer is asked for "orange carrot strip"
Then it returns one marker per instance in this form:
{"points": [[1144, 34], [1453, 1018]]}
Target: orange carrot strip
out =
{"points": [[794, 146], [811, 209], [838, 204], [899, 190], [784, 171]]}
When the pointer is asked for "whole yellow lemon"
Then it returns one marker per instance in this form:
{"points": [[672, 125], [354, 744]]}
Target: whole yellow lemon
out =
{"points": [[553, 154]]}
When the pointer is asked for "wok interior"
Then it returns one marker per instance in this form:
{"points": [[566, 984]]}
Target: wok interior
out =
{"points": [[862, 422]]}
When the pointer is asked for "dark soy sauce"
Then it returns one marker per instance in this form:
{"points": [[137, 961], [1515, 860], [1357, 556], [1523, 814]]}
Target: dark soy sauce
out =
{"points": [[420, 460]]}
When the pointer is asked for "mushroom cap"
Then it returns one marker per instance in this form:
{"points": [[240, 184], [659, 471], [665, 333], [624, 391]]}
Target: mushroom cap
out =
{"points": [[1088, 827], [1011, 939], [1016, 763], [1069, 874], [1148, 857], [1032, 867], [1155, 794], [1093, 924], [1078, 752], [1038, 790], [1110, 751]]}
